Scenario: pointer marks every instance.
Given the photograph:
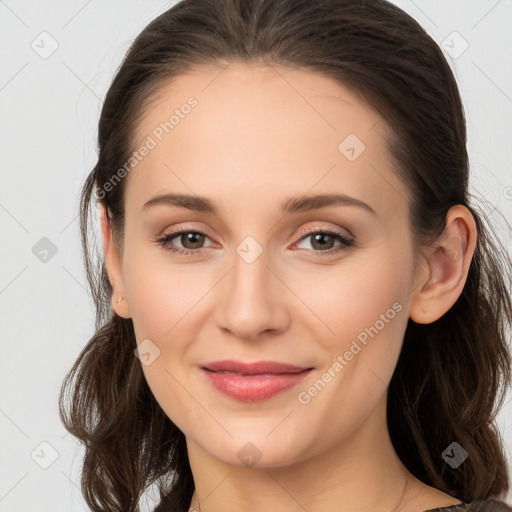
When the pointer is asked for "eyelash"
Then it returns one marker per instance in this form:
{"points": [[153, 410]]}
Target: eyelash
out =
{"points": [[345, 243]]}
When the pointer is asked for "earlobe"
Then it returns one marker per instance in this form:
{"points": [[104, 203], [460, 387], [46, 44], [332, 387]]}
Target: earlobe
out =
{"points": [[113, 265], [448, 266]]}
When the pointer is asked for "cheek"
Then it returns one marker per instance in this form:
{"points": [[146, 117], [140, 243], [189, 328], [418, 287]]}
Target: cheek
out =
{"points": [[162, 294], [363, 311], [353, 296], [364, 317], [165, 301]]}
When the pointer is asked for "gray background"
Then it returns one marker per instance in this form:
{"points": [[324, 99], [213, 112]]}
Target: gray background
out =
{"points": [[49, 108]]}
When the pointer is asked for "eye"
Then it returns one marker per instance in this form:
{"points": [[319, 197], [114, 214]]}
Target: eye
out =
{"points": [[190, 239], [323, 240]]}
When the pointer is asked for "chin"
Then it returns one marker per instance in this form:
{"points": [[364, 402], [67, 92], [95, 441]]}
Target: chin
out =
{"points": [[254, 453]]}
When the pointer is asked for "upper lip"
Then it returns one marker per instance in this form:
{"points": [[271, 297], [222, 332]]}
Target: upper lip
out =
{"points": [[253, 368]]}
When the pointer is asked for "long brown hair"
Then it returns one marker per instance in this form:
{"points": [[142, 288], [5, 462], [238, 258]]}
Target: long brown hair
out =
{"points": [[451, 375]]}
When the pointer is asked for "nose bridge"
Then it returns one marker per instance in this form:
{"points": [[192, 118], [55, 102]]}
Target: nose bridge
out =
{"points": [[249, 302]]}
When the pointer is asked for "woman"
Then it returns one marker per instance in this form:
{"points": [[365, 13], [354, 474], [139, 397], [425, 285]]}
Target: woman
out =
{"points": [[298, 308]]}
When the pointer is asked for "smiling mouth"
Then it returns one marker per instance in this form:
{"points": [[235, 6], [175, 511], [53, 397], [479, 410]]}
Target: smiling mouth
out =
{"points": [[253, 388]]}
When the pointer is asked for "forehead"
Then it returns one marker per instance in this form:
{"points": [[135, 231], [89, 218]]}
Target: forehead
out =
{"points": [[262, 131], [259, 97]]}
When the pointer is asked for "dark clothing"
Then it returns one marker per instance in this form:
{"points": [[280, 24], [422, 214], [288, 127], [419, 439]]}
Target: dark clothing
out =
{"points": [[475, 506]]}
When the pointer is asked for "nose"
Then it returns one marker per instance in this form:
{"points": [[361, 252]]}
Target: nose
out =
{"points": [[252, 300]]}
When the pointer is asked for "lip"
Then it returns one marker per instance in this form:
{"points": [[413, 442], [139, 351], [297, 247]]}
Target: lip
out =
{"points": [[255, 381], [253, 368]]}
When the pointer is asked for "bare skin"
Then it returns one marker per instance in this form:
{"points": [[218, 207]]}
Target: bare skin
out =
{"points": [[258, 136]]}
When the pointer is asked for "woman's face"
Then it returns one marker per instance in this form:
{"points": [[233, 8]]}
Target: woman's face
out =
{"points": [[266, 277]]}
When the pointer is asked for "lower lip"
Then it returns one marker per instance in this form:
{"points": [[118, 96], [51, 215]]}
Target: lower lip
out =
{"points": [[253, 388]]}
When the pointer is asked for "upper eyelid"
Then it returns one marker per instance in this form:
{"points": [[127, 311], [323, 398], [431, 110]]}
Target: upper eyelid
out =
{"points": [[179, 231], [309, 229]]}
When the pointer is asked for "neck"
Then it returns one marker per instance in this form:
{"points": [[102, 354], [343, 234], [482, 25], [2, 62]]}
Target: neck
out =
{"points": [[361, 473]]}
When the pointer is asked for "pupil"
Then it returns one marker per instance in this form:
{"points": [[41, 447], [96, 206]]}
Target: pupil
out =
{"points": [[189, 238], [318, 237]]}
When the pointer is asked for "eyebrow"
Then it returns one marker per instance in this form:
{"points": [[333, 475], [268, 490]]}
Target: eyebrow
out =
{"points": [[290, 205]]}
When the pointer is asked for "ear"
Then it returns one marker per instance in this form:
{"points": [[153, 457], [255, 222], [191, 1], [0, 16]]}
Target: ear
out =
{"points": [[113, 266], [448, 265]]}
